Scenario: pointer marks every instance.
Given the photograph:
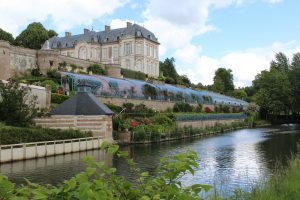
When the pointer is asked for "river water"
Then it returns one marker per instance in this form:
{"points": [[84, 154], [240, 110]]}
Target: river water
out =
{"points": [[237, 159]]}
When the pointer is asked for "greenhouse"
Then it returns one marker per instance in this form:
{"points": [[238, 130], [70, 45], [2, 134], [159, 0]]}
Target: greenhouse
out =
{"points": [[129, 88]]}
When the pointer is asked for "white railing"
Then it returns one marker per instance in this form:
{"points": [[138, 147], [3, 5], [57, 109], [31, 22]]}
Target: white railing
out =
{"points": [[31, 150]]}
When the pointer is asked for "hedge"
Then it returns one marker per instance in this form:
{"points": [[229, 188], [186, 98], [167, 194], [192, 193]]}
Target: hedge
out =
{"points": [[133, 74], [15, 135]]}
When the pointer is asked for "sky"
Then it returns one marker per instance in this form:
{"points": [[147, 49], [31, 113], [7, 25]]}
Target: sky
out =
{"points": [[202, 35]]}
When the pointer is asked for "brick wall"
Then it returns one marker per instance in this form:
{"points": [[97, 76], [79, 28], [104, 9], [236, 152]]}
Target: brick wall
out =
{"points": [[99, 125]]}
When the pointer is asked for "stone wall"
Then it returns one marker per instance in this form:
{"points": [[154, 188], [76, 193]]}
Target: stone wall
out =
{"points": [[42, 94], [157, 105], [206, 123], [16, 60], [99, 125]]}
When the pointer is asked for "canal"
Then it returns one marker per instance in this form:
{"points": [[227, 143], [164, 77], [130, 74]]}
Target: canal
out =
{"points": [[237, 159]]}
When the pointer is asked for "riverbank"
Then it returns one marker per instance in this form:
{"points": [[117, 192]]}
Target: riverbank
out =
{"points": [[283, 185], [177, 133]]}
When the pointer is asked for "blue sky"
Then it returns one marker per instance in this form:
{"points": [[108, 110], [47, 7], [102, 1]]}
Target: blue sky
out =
{"points": [[201, 35]]}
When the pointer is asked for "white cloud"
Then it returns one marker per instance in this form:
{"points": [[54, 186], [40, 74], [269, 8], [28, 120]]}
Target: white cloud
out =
{"points": [[118, 23], [62, 15], [245, 65]]}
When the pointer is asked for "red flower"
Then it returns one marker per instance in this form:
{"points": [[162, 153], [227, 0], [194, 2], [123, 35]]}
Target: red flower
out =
{"points": [[134, 123], [208, 110]]}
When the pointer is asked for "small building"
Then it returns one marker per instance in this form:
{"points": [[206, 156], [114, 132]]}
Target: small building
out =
{"points": [[83, 112]]}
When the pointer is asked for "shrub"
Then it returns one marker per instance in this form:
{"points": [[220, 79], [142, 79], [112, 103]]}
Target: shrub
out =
{"points": [[15, 135], [198, 108], [182, 107], [17, 105], [96, 69], [36, 72], [133, 74], [52, 84], [114, 108], [162, 120], [226, 109], [149, 91], [53, 74], [58, 98], [170, 80]]}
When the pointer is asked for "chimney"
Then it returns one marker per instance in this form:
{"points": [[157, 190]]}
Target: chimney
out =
{"points": [[68, 34], [128, 24], [85, 30], [107, 28]]}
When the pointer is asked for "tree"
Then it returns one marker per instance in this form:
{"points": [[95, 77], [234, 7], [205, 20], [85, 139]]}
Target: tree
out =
{"points": [[167, 68], [51, 33], [223, 81], [240, 94], [274, 91], [17, 106], [6, 36], [34, 36], [294, 76], [185, 80], [281, 62]]}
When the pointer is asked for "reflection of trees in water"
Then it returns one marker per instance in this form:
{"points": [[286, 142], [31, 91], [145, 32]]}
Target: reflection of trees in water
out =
{"points": [[281, 146]]}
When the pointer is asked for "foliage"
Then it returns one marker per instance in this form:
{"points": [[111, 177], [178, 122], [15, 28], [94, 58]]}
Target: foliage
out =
{"points": [[17, 106], [167, 68], [97, 69], [58, 98], [53, 74], [198, 108], [6, 36], [294, 75], [163, 120], [36, 72], [51, 83], [182, 107], [149, 91], [15, 135], [34, 36], [223, 81], [185, 80], [240, 94], [133, 74], [114, 108], [62, 66], [51, 33], [102, 182]]}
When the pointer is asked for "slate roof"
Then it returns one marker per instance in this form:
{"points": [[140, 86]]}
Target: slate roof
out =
{"points": [[102, 37], [83, 103]]}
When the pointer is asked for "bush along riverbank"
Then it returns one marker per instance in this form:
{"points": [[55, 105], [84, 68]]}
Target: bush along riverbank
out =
{"points": [[16, 135], [148, 134]]}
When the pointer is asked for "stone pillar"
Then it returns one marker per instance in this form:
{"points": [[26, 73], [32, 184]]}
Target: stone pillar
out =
{"points": [[5, 72], [113, 70]]}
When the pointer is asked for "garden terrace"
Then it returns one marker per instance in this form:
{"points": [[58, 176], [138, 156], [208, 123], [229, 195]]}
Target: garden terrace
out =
{"points": [[129, 88]]}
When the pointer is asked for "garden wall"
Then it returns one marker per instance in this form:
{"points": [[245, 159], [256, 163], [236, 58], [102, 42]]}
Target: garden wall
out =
{"points": [[157, 105], [206, 123], [99, 125]]}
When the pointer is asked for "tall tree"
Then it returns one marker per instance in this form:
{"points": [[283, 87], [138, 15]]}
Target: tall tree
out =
{"points": [[167, 68], [33, 36], [274, 94], [223, 81], [6, 36], [281, 62], [51, 33], [294, 75]]}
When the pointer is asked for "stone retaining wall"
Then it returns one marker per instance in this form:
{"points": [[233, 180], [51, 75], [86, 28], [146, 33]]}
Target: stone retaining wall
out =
{"points": [[99, 125], [206, 123]]}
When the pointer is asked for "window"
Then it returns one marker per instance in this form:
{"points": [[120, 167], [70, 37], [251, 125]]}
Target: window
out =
{"points": [[115, 53], [82, 53], [151, 51], [127, 64], [147, 50], [138, 66], [94, 54], [127, 49], [147, 67], [104, 53], [138, 48]]}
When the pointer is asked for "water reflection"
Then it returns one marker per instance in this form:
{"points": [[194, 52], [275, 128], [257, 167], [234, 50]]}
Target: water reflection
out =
{"points": [[236, 159]]}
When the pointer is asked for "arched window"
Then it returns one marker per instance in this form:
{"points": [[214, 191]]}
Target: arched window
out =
{"points": [[82, 53], [146, 67]]}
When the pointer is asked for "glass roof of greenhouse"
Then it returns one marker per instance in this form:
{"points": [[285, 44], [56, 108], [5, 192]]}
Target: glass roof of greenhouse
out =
{"points": [[108, 86]]}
